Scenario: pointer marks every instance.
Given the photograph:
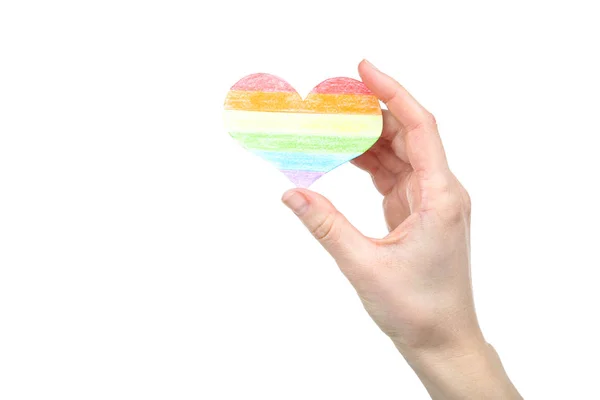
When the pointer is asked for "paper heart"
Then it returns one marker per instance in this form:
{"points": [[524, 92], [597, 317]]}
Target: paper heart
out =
{"points": [[339, 120]]}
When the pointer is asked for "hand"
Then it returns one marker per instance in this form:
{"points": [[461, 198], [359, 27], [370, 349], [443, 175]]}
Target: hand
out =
{"points": [[415, 283]]}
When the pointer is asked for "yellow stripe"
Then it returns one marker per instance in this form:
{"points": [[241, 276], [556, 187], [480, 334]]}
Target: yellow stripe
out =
{"points": [[302, 123]]}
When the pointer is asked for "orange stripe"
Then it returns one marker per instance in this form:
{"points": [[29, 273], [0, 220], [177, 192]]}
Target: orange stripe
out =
{"points": [[291, 102]]}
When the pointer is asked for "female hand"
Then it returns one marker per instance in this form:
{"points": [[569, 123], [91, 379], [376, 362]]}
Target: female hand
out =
{"points": [[415, 283]]}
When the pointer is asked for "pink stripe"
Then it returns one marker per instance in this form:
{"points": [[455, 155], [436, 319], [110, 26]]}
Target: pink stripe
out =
{"points": [[342, 86], [262, 83], [302, 179]]}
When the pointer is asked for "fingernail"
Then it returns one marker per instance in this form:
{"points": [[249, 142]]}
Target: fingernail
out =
{"points": [[296, 201], [371, 65]]}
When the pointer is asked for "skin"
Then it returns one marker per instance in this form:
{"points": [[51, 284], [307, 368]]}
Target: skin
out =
{"points": [[415, 283]]}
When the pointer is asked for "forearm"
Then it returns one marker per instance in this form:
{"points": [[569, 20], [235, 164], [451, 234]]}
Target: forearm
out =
{"points": [[477, 374]]}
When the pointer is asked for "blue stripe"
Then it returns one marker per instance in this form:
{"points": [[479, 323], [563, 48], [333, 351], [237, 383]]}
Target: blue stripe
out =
{"points": [[305, 162]]}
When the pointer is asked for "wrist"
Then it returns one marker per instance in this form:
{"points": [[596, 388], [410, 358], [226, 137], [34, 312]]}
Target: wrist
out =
{"points": [[471, 371]]}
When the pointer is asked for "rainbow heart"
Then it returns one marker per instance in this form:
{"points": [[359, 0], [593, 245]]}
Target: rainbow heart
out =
{"points": [[339, 120]]}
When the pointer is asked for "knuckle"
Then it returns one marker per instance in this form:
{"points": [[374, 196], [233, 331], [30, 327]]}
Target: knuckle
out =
{"points": [[429, 119], [326, 229], [466, 200], [425, 122], [440, 184], [453, 203], [422, 127], [451, 209]]}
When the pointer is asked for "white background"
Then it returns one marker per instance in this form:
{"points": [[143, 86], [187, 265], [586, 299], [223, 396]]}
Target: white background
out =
{"points": [[145, 255]]}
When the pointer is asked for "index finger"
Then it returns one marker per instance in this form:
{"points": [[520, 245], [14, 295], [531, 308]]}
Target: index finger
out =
{"points": [[424, 147]]}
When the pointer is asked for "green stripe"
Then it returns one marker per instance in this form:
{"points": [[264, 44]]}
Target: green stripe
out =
{"points": [[305, 143]]}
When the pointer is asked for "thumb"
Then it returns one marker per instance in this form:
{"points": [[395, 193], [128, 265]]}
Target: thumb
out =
{"points": [[337, 235]]}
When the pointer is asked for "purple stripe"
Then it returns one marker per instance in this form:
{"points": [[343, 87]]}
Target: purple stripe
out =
{"points": [[302, 179]]}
